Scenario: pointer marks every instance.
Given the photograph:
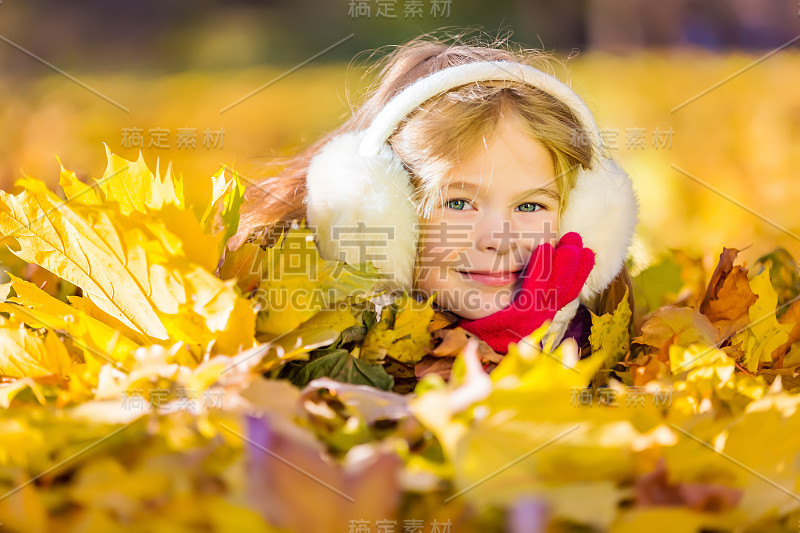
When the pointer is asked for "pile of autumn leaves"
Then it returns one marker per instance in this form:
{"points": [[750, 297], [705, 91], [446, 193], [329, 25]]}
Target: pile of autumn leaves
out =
{"points": [[752, 316], [147, 385]]}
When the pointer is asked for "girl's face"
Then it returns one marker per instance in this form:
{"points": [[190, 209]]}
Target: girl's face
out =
{"points": [[499, 205]]}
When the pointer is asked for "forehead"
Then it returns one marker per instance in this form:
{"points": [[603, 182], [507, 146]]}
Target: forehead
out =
{"points": [[510, 159]]}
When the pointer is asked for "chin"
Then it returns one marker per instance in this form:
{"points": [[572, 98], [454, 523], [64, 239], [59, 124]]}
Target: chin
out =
{"points": [[472, 313], [468, 301]]}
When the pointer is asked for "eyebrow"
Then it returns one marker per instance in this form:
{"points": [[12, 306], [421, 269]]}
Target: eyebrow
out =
{"points": [[546, 191], [462, 185], [466, 187]]}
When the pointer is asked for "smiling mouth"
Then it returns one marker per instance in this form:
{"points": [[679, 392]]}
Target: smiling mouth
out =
{"points": [[492, 279]]}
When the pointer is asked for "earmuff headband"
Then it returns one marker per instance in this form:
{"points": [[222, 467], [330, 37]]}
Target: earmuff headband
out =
{"points": [[444, 80]]}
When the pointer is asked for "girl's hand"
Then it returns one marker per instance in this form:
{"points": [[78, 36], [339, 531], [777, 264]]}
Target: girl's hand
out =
{"points": [[552, 279]]}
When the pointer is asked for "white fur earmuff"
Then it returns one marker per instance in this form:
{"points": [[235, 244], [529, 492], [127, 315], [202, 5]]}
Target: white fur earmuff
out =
{"points": [[360, 208]]}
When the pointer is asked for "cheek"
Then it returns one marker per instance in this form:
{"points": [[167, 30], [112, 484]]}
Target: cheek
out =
{"points": [[531, 234], [434, 263], [442, 248], [443, 244], [433, 256], [437, 278], [544, 229]]}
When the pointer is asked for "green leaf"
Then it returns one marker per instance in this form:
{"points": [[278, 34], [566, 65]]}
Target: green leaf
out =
{"points": [[296, 344], [340, 365], [655, 284]]}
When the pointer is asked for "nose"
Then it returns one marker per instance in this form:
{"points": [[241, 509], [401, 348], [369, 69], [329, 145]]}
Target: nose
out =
{"points": [[494, 234]]}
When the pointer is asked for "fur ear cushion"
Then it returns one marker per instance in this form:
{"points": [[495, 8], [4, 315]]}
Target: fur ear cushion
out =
{"points": [[360, 208], [604, 210]]}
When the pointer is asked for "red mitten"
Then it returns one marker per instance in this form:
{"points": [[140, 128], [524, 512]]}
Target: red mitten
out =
{"points": [[552, 279]]}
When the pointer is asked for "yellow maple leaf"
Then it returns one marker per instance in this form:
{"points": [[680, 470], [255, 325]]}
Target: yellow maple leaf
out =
{"points": [[139, 193], [244, 264], [610, 332], [135, 188], [77, 191], [111, 266], [182, 234], [527, 366], [764, 334], [134, 271], [229, 318], [24, 353], [297, 282], [378, 340], [222, 214], [338, 318], [38, 309], [402, 333], [698, 355], [411, 335]]}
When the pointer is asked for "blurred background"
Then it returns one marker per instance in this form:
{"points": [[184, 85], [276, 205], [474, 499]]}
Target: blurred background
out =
{"points": [[698, 99]]}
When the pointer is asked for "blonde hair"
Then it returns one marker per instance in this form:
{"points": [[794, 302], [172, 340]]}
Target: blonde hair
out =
{"points": [[438, 133]]}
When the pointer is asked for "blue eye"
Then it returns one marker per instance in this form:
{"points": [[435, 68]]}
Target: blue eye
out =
{"points": [[458, 204], [529, 207]]}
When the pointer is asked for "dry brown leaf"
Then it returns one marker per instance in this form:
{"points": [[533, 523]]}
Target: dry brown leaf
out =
{"points": [[728, 296], [450, 342], [683, 324], [647, 368], [434, 365], [441, 320], [723, 268], [654, 488]]}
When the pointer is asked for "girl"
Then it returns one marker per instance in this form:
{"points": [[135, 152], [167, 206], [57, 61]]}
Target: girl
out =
{"points": [[458, 176]]}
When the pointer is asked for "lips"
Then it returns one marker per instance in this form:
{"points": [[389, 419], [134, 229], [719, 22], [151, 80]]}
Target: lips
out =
{"points": [[491, 279]]}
